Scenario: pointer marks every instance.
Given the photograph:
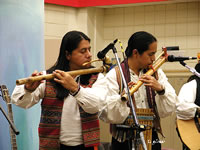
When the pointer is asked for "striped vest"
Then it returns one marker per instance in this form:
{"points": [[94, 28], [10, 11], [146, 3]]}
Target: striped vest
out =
{"points": [[49, 127]]}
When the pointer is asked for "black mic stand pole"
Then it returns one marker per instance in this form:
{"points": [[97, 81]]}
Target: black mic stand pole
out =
{"points": [[190, 68], [139, 133], [9, 121]]}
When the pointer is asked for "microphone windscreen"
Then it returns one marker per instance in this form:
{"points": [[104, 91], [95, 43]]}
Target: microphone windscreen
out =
{"points": [[170, 58]]}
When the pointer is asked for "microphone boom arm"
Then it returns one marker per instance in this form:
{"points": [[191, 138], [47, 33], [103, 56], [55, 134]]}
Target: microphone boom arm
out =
{"points": [[190, 69], [139, 133]]}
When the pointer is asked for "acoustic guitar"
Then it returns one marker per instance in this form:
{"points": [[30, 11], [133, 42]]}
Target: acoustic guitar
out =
{"points": [[189, 133], [6, 98]]}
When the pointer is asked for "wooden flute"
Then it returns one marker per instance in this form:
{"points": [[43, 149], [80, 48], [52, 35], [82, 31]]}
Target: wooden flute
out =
{"points": [[51, 76], [162, 58]]}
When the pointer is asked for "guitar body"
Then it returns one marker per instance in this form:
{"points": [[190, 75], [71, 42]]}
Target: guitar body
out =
{"points": [[6, 98], [189, 133]]}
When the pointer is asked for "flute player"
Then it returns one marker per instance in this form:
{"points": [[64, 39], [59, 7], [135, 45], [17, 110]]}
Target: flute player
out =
{"points": [[69, 117], [155, 92]]}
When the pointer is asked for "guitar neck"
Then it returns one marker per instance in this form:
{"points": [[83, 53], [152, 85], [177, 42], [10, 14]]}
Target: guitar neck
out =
{"points": [[7, 99], [12, 134]]}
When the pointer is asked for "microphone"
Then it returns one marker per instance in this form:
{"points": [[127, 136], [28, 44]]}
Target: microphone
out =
{"points": [[172, 58], [101, 54]]}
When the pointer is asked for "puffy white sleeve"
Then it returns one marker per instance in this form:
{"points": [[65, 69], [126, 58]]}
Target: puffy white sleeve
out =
{"points": [[25, 99], [166, 103], [115, 111], [92, 100], [185, 107]]}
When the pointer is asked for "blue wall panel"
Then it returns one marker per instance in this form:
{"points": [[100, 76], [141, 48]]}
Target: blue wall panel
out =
{"points": [[21, 52]]}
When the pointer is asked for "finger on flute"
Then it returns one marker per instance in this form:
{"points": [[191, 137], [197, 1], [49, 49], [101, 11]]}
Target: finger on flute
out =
{"points": [[35, 78]]}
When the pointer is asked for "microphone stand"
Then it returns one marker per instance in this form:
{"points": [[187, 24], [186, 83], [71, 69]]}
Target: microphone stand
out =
{"points": [[139, 138], [190, 68], [9, 121]]}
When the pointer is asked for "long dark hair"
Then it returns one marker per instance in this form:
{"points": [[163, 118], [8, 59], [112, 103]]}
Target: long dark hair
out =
{"points": [[140, 41], [192, 77], [69, 43]]}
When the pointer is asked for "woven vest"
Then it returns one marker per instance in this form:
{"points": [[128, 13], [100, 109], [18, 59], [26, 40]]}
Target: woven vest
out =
{"points": [[49, 127]]}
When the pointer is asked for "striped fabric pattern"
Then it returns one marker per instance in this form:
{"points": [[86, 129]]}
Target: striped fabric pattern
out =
{"points": [[49, 127], [90, 123], [90, 128]]}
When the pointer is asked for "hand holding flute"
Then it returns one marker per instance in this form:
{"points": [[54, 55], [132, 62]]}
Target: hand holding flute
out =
{"points": [[63, 78], [51, 76], [151, 82], [31, 86], [66, 80]]}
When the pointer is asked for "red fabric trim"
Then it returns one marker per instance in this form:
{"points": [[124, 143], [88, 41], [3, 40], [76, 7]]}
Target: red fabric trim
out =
{"points": [[49, 131], [90, 124], [46, 144], [89, 3], [52, 102]]}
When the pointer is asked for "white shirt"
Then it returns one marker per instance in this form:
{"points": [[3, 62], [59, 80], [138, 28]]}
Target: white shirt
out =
{"points": [[92, 100], [165, 103], [185, 107]]}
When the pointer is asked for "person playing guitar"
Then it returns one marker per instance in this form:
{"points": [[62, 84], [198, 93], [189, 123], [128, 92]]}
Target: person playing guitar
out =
{"points": [[188, 112]]}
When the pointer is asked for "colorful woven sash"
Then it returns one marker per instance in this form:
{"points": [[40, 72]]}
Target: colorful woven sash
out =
{"points": [[49, 127], [90, 123]]}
